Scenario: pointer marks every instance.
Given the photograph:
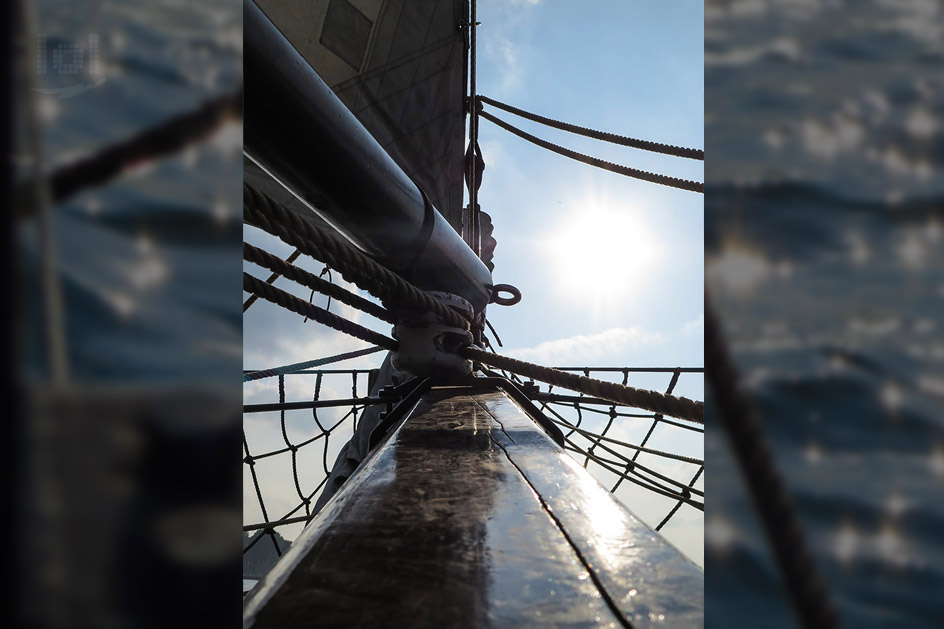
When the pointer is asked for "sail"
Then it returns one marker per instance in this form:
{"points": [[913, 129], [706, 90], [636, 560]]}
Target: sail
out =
{"points": [[400, 67]]}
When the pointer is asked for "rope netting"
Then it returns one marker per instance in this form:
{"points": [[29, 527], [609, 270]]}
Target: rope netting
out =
{"points": [[652, 464], [288, 452]]}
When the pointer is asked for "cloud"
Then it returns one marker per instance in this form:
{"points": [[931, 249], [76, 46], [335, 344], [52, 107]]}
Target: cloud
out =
{"points": [[587, 349], [505, 56]]}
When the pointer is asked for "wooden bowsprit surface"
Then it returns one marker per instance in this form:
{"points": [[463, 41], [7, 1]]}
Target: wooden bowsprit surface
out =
{"points": [[470, 515]]}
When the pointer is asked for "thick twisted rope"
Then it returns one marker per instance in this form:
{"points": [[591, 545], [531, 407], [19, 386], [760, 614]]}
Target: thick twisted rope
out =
{"points": [[318, 362], [672, 182], [290, 302], [768, 493], [680, 407], [622, 140], [312, 281], [355, 266], [271, 279]]}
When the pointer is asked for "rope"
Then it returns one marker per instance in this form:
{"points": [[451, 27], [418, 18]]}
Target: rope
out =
{"points": [[355, 266], [667, 455], [612, 414], [631, 467], [680, 407], [330, 282], [290, 302], [771, 500], [296, 367], [269, 525], [678, 504], [495, 332], [475, 231], [350, 413], [633, 471], [656, 420], [672, 182], [292, 448], [270, 280], [645, 483], [250, 461], [312, 281], [645, 145], [165, 138]]}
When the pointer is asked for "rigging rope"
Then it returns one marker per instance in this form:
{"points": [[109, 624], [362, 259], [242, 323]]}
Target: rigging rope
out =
{"points": [[771, 500], [632, 467], [680, 407], [645, 145], [270, 280], [672, 182], [667, 455], [318, 362], [650, 485], [163, 139], [678, 504], [281, 298], [475, 236], [355, 266], [312, 281]]}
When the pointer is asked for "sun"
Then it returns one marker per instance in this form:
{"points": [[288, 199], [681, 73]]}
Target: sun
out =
{"points": [[602, 253]]}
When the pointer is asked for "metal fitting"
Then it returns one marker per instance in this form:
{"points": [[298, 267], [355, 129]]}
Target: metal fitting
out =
{"points": [[428, 347]]}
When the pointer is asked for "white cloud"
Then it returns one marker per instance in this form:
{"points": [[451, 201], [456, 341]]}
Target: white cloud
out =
{"points": [[504, 55], [587, 349]]}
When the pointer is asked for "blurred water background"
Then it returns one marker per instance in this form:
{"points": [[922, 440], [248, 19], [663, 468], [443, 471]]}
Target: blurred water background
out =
{"points": [[825, 211], [127, 476]]}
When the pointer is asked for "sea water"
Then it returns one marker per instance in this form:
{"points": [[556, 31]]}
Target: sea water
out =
{"points": [[148, 262], [825, 211]]}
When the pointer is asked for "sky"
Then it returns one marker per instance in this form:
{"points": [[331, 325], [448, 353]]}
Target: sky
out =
{"points": [[610, 268]]}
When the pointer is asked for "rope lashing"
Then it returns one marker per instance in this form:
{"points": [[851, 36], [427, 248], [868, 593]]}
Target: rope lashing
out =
{"points": [[774, 507], [680, 407], [312, 281], [290, 302], [355, 266], [672, 182], [613, 138], [318, 362]]}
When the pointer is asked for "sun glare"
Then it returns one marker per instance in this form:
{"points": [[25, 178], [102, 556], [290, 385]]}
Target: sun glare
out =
{"points": [[602, 254]]}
